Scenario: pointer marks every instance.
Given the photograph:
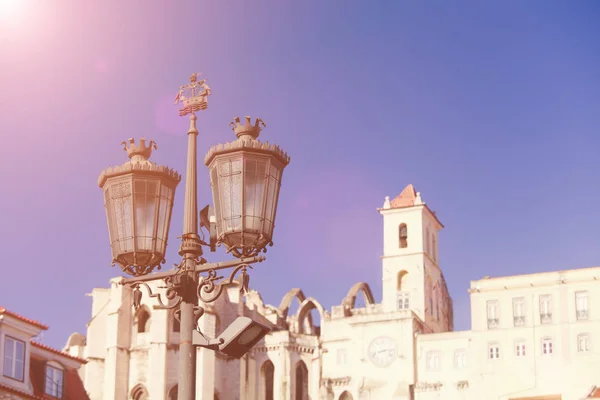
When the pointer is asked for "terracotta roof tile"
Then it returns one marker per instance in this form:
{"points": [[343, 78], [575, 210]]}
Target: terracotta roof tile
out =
{"points": [[25, 395], [406, 198], [4, 311], [55, 351], [595, 393]]}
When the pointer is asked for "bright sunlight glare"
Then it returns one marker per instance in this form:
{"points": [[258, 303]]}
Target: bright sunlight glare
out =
{"points": [[10, 9]]}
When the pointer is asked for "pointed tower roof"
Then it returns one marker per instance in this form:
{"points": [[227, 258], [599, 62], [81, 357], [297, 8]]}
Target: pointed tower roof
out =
{"points": [[407, 198]]}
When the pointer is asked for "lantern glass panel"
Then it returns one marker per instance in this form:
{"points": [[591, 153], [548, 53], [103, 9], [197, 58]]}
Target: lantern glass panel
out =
{"points": [[214, 183], [274, 180], [230, 189], [254, 194], [121, 215], [165, 207], [145, 194]]}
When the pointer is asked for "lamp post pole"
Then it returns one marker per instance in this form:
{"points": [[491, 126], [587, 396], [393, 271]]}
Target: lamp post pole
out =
{"points": [[191, 250]]}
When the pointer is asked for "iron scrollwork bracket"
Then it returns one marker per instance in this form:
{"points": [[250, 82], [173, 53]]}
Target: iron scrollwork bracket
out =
{"points": [[209, 291], [170, 295]]}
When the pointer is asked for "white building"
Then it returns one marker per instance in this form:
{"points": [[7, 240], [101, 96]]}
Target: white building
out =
{"points": [[533, 336]]}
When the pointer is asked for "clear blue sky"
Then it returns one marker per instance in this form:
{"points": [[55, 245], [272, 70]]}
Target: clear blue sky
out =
{"points": [[491, 109]]}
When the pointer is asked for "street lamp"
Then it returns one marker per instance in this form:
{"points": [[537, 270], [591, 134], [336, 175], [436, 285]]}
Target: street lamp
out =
{"points": [[138, 196]]}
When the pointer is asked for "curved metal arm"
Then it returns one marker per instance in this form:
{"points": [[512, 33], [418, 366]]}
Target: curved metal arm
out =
{"points": [[170, 294], [207, 284]]}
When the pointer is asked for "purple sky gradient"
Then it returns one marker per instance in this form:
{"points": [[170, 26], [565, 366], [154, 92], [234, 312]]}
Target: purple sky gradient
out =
{"points": [[490, 109]]}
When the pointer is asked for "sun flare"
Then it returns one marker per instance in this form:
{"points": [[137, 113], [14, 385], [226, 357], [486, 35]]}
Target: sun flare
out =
{"points": [[10, 8]]}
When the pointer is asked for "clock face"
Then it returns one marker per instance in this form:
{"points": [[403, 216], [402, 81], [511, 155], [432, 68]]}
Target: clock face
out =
{"points": [[383, 351]]}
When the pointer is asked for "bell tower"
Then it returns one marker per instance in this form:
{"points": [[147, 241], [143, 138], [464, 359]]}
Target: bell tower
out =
{"points": [[412, 279]]}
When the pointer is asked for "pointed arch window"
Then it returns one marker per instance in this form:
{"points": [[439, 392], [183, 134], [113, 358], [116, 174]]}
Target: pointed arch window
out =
{"points": [[403, 235], [301, 382], [173, 393], [403, 295], [139, 392], [143, 321], [176, 323], [268, 380], [346, 396]]}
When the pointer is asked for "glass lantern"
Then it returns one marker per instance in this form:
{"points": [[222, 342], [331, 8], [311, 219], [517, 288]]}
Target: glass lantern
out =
{"points": [[138, 197], [245, 177]]}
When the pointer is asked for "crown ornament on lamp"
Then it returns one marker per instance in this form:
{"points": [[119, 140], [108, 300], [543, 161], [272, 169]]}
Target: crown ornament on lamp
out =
{"points": [[247, 130], [141, 152]]}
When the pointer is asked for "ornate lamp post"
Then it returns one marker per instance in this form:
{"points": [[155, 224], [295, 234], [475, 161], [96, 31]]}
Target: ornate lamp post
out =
{"points": [[245, 179]]}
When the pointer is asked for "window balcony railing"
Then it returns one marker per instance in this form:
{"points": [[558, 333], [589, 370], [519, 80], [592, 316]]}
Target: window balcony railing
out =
{"points": [[546, 318], [582, 315], [493, 323], [519, 320]]}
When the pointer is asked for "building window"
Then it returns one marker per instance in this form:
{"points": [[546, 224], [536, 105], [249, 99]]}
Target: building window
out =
{"points": [[547, 347], [139, 392], [519, 311], [427, 242], [143, 318], [301, 382], [434, 248], [520, 349], [581, 305], [176, 324], [460, 359], [493, 351], [545, 309], [430, 305], [492, 314], [173, 393], [342, 356], [403, 233], [583, 343], [54, 381], [268, 380], [403, 301], [433, 360], [14, 358]]}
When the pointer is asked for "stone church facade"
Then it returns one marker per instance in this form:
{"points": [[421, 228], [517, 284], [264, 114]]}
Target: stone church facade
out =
{"points": [[532, 337]]}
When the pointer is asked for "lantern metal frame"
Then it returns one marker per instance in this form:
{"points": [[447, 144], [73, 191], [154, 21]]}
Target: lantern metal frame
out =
{"points": [[262, 182], [129, 245]]}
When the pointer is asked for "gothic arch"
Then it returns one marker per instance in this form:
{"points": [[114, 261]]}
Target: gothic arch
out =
{"points": [[401, 280], [284, 307], [267, 381], [346, 396], [142, 320], [139, 392], [350, 299], [173, 393], [175, 323], [301, 381], [304, 312]]}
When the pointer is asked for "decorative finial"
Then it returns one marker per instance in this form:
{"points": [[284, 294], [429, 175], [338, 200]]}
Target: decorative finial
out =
{"points": [[247, 131], [418, 199], [386, 203], [140, 152], [194, 96]]}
